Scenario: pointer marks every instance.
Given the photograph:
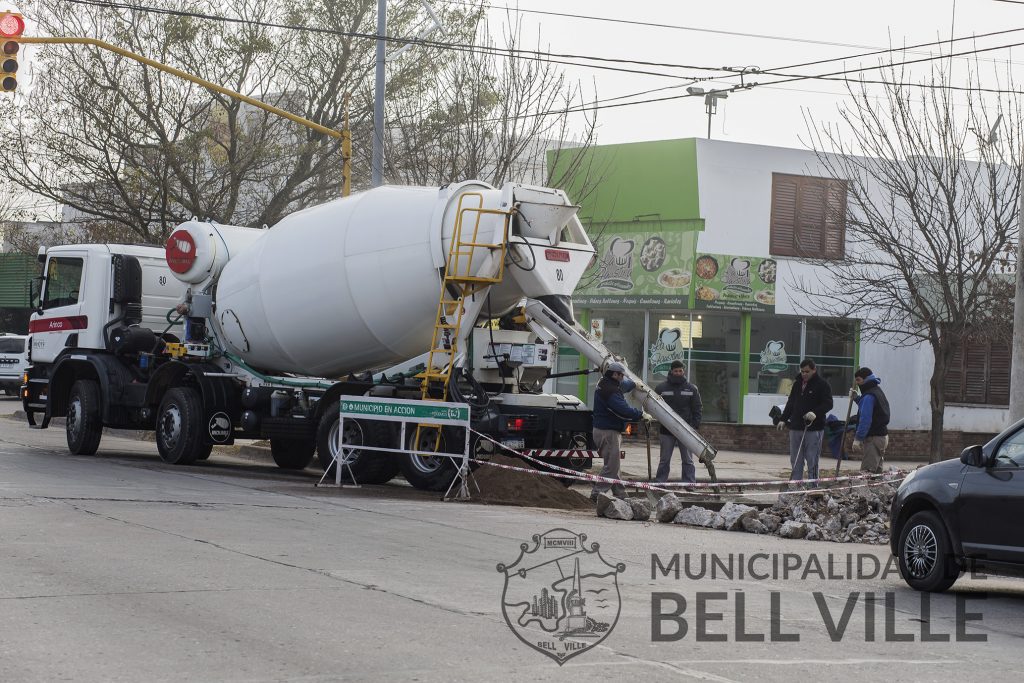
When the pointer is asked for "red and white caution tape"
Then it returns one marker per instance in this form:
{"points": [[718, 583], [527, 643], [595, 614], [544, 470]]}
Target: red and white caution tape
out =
{"points": [[666, 487]]}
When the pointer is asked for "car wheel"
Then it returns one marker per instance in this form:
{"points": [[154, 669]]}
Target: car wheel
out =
{"points": [[925, 555], [83, 423]]}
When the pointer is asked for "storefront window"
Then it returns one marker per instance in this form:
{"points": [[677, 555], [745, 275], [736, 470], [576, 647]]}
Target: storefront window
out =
{"points": [[715, 366], [622, 331], [774, 353], [830, 344]]}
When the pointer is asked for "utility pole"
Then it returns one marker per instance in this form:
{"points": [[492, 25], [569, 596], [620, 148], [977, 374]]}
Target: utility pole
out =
{"points": [[377, 161], [1017, 355]]}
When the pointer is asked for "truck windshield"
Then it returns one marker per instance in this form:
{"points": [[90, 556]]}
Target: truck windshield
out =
{"points": [[63, 280], [12, 345]]}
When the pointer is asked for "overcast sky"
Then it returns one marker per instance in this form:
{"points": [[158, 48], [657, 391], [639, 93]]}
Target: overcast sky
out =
{"points": [[787, 33]]}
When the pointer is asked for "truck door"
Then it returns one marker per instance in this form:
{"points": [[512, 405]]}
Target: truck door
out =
{"points": [[58, 325]]}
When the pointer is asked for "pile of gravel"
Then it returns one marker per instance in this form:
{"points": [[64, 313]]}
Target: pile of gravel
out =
{"points": [[858, 515]]}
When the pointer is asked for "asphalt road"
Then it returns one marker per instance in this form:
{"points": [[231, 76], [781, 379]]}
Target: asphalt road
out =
{"points": [[120, 568]]}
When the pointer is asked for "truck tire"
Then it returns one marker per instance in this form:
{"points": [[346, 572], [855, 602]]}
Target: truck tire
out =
{"points": [[427, 472], [84, 425], [293, 454], [368, 467], [179, 428]]}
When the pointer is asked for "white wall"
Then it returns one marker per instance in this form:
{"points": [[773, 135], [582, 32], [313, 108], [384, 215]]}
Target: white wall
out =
{"points": [[735, 185]]}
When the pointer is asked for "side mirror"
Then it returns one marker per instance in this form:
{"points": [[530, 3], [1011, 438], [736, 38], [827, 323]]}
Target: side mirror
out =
{"points": [[973, 456], [36, 294]]}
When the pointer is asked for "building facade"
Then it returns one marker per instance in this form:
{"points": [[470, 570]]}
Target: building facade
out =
{"points": [[698, 252]]}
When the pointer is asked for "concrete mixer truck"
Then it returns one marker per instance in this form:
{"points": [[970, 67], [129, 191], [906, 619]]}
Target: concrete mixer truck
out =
{"points": [[460, 293]]}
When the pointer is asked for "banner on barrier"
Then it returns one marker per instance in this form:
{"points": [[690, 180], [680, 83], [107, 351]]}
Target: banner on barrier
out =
{"points": [[404, 410]]}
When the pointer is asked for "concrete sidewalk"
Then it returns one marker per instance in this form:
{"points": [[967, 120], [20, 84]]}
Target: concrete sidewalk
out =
{"points": [[736, 466]]}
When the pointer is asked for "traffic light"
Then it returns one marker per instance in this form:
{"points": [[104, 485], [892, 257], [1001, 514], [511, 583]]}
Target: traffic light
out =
{"points": [[12, 25]]}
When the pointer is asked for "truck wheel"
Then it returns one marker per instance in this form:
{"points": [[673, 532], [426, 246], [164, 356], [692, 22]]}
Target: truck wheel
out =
{"points": [[179, 428], [293, 454], [84, 424], [925, 556], [368, 467], [429, 472]]}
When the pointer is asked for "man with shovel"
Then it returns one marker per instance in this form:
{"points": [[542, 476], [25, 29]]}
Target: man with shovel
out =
{"points": [[810, 399]]}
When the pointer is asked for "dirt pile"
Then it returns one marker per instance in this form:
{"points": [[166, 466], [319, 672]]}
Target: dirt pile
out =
{"points": [[505, 487]]}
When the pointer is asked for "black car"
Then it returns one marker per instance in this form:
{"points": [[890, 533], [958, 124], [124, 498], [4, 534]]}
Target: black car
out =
{"points": [[961, 515]]}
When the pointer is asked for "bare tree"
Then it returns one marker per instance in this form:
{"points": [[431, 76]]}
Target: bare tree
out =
{"points": [[132, 151], [930, 214], [491, 113]]}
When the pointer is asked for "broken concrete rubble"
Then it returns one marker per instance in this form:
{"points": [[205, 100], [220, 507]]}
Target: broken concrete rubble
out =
{"points": [[842, 515]]}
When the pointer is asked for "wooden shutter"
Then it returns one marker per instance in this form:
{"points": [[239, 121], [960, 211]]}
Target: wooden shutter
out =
{"points": [[953, 387], [835, 219], [999, 374], [976, 373], [810, 238], [808, 217], [782, 241]]}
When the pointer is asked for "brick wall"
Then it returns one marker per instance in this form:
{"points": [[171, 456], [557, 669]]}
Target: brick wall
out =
{"points": [[903, 444]]}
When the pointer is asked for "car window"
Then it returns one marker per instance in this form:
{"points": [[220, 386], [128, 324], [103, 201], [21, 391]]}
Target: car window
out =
{"points": [[12, 346], [1012, 449], [63, 279]]}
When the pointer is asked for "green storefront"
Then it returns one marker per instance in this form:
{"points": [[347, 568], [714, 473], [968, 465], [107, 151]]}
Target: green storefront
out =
{"points": [[652, 297]]}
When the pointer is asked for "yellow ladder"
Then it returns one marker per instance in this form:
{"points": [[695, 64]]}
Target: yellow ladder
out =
{"points": [[458, 283]]}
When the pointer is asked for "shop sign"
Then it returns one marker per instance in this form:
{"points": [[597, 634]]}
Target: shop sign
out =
{"points": [[641, 268], [667, 348], [773, 357], [734, 283]]}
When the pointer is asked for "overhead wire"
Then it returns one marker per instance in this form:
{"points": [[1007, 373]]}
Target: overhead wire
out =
{"points": [[611, 103]]}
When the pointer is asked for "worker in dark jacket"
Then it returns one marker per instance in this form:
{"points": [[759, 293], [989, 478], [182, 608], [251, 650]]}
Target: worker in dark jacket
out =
{"points": [[872, 435], [611, 413], [808, 404], [684, 399]]}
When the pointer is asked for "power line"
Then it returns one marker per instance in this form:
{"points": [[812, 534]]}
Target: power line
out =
{"points": [[464, 47], [536, 55], [742, 34]]}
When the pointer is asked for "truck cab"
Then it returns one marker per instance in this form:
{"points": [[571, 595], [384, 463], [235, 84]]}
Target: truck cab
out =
{"points": [[82, 292], [98, 309]]}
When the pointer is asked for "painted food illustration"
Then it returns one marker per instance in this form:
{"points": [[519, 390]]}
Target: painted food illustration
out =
{"points": [[653, 253], [705, 293], [674, 279], [765, 297], [706, 267], [766, 271]]}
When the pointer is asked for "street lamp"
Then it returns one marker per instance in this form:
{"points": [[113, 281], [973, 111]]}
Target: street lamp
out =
{"points": [[711, 98]]}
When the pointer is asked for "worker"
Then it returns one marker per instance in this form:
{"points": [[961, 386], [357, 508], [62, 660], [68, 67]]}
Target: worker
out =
{"points": [[872, 435], [684, 399], [611, 413], [810, 399]]}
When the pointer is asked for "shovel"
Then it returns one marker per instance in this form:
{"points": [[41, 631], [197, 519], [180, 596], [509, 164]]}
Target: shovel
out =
{"points": [[842, 444], [651, 498]]}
